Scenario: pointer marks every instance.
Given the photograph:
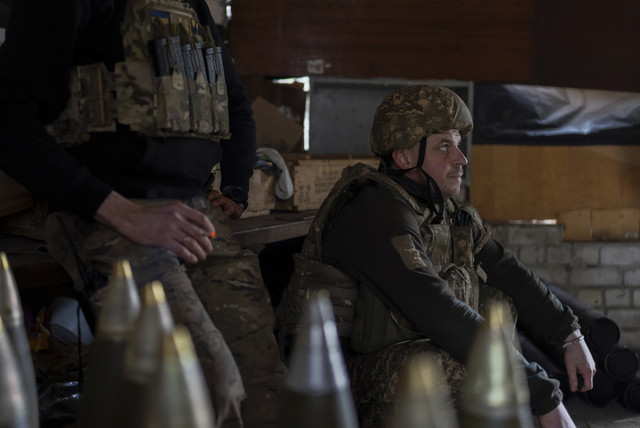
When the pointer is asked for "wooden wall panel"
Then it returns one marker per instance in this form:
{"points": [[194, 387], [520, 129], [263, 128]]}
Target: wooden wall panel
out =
{"points": [[569, 43], [537, 182], [415, 39], [587, 44]]}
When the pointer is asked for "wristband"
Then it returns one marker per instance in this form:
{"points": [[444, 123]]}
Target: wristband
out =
{"points": [[571, 342]]}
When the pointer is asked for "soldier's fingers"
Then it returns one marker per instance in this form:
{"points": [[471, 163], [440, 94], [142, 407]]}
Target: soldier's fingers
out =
{"points": [[213, 194], [194, 246], [573, 379], [182, 251], [199, 238], [587, 376]]}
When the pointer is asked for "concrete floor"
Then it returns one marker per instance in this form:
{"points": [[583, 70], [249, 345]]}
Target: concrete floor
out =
{"points": [[613, 415]]}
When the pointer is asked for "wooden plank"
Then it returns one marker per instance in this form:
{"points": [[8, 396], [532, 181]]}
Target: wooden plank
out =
{"points": [[587, 44], [572, 43], [438, 39], [576, 225], [619, 224], [537, 182], [275, 227]]}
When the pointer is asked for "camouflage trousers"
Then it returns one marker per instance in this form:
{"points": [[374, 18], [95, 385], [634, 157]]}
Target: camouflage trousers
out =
{"points": [[221, 300], [376, 376]]}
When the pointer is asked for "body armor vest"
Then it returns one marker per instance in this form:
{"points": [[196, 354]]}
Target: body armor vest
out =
{"points": [[171, 82], [362, 314]]}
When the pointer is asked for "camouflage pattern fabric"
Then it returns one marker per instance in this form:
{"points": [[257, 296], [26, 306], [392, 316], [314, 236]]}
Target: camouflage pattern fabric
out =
{"points": [[222, 301], [151, 104], [413, 112], [376, 376]]}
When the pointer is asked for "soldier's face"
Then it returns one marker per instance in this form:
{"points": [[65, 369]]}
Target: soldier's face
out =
{"points": [[443, 161]]}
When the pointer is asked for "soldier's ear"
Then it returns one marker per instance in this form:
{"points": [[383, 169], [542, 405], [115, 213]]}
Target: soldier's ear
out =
{"points": [[402, 158]]}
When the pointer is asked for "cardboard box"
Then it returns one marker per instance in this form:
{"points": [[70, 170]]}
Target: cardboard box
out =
{"points": [[274, 129], [261, 194], [313, 176], [616, 224]]}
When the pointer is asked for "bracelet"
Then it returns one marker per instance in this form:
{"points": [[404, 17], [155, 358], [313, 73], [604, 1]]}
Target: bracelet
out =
{"points": [[572, 341]]}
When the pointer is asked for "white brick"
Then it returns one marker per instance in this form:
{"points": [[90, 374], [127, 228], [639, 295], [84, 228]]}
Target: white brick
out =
{"points": [[534, 235], [622, 254], [532, 254], [632, 277], [596, 276], [631, 339], [557, 275], [586, 254], [498, 232], [559, 254], [591, 297], [625, 318], [617, 297]]}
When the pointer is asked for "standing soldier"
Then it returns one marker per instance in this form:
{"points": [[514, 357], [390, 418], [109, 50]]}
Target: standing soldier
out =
{"points": [[116, 112]]}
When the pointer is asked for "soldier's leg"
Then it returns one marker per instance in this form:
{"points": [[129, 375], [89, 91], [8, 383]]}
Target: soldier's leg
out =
{"points": [[230, 286], [99, 247], [376, 377], [490, 295]]}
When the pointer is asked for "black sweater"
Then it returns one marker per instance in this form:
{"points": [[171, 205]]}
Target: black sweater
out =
{"points": [[358, 242], [44, 40]]}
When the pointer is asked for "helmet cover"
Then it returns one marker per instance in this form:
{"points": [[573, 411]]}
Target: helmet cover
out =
{"points": [[406, 116]]}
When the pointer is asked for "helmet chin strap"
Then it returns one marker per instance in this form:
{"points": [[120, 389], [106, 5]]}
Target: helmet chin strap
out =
{"points": [[433, 194]]}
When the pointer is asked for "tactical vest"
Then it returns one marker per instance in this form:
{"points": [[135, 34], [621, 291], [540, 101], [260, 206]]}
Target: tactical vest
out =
{"points": [[171, 82], [363, 315]]}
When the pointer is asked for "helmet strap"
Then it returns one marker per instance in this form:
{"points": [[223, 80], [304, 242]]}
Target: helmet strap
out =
{"points": [[433, 194]]}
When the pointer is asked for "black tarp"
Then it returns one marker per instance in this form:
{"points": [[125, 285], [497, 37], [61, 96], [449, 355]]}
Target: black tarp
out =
{"points": [[536, 115]]}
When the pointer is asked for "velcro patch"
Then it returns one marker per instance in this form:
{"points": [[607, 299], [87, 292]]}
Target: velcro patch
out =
{"points": [[410, 256]]}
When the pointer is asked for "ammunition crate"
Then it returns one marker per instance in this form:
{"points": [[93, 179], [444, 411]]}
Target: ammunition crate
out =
{"points": [[313, 176]]}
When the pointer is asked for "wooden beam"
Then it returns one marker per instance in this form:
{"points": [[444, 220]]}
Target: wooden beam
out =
{"points": [[414, 39]]}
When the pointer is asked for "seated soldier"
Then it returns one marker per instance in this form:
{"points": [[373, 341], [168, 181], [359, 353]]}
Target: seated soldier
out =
{"points": [[420, 265]]}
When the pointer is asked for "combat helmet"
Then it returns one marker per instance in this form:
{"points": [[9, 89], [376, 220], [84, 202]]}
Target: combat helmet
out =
{"points": [[415, 112]]}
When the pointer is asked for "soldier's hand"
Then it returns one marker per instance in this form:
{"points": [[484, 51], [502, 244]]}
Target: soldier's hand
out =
{"points": [[183, 230], [579, 363], [230, 208], [557, 418]]}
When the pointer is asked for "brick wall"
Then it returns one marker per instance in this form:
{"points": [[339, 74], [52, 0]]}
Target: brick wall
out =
{"points": [[603, 275]]}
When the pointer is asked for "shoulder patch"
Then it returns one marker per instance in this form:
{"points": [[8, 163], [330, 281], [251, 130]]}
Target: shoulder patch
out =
{"points": [[410, 256]]}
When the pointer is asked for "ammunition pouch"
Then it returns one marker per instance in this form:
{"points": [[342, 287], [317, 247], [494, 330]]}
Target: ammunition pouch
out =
{"points": [[376, 325], [309, 277], [369, 321], [171, 82]]}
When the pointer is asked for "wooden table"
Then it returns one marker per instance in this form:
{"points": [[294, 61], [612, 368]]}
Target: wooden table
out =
{"points": [[274, 227]]}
